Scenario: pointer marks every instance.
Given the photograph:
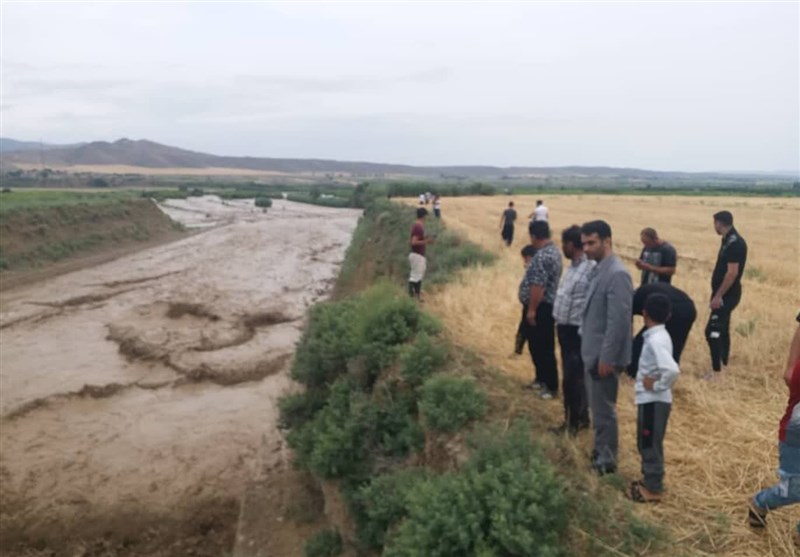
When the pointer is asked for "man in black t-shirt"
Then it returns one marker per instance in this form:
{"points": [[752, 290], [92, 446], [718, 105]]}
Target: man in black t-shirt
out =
{"points": [[726, 291], [507, 223], [658, 258], [678, 325]]}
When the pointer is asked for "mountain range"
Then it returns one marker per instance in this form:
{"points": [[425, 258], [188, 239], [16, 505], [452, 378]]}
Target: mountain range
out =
{"points": [[151, 155]]}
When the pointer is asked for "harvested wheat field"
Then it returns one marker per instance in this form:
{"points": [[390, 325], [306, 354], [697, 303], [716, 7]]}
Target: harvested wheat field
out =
{"points": [[721, 445]]}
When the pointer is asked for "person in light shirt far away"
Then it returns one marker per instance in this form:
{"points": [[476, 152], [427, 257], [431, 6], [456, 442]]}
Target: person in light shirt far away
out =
{"points": [[540, 213], [658, 259], [657, 372]]}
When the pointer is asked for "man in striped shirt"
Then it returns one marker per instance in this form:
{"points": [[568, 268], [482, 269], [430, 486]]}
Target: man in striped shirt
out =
{"points": [[568, 314]]}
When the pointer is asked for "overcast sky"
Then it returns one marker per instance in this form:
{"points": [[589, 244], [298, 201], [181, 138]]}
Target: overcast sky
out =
{"points": [[670, 86]]}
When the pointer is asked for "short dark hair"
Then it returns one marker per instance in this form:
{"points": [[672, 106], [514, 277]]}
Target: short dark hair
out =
{"points": [[658, 307], [539, 201], [572, 235], [725, 217], [422, 212], [510, 203], [539, 229], [528, 251], [650, 233], [599, 227]]}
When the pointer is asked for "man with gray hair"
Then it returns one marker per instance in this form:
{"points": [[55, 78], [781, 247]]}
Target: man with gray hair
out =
{"points": [[605, 339]]}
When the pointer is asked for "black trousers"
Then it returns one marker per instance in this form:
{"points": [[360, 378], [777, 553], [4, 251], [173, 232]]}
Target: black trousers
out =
{"points": [[718, 331], [542, 345], [576, 406], [678, 328], [508, 234]]}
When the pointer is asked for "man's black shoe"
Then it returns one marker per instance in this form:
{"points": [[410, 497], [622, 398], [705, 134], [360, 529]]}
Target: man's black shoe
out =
{"points": [[603, 469]]}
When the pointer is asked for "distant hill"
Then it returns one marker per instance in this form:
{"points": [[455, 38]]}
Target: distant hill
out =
{"points": [[148, 154], [8, 145]]}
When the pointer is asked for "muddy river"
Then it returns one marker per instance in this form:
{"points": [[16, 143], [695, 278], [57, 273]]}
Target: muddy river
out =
{"points": [[142, 390]]}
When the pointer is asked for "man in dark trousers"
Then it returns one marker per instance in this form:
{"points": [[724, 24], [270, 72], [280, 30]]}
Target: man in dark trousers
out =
{"points": [[605, 340], [507, 223], [678, 325], [537, 293], [726, 291], [568, 313]]}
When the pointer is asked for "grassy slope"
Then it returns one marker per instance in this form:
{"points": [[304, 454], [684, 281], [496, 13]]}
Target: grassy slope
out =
{"points": [[38, 229]]}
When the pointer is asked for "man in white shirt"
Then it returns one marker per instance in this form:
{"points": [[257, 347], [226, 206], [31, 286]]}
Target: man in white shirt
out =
{"points": [[568, 314], [540, 213]]}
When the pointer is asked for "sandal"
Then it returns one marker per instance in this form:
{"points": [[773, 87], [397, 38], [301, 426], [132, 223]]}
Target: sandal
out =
{"points": [[756, 517], [640, 494]]}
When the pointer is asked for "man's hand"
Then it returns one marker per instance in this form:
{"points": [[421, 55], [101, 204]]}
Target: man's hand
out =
{"points": [[531, 317], [648, 382], [604, 370], [640, 264], [716, 303]]}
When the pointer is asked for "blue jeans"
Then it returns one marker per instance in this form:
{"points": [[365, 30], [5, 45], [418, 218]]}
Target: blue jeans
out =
{"points": [[787, 491]]}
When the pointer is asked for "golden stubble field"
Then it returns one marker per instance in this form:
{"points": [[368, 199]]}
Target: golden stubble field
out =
{"points": [[721, 444]]}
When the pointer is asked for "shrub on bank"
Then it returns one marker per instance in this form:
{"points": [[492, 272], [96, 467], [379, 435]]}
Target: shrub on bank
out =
{"points": [[327, 543], [449, 403]]}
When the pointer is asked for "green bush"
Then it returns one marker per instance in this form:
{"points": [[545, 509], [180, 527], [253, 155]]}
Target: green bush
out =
{"points": [[336, 443], [382, 503], [448, 402], [327, 543], [329, 341], [398, 429], [263, 202], [298, 408], [421, 359], [506, 501]]}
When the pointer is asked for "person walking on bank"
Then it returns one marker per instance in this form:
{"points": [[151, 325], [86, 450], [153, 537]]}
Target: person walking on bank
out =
{"points": [[416, 258], [568, 314], [654, 379], [678, 325], [787, 491], [726, 291], [537, 294], [507, 223], [658, 258], [437, 206], [605, 339]]}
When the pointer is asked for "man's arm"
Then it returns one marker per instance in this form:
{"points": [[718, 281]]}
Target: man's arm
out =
{"points": [[618, 322], [727, 282], [666, 271], [537, 294]]}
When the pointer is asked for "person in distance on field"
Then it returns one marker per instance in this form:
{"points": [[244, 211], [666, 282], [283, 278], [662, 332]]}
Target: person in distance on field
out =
{"points": [[416, 258], [605, 339], [726, 291], [658, 258], [507, 223], [540, 213], [787, 492]]}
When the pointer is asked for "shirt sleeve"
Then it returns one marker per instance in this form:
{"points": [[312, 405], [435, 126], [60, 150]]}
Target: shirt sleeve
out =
{"points": [[669, 257], [537, 274], [667, 367]]}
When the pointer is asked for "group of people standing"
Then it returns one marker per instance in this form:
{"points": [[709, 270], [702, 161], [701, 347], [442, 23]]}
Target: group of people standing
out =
{"points": [[590, 311]]}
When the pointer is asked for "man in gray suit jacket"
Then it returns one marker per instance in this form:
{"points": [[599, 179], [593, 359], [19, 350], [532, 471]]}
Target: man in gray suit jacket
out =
{"points": [[605, 339]]}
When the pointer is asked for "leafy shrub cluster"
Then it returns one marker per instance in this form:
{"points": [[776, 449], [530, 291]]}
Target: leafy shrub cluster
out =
{"points": [[263, 202], [327, 543], [448, 402], [351, 411], [506, 501]]}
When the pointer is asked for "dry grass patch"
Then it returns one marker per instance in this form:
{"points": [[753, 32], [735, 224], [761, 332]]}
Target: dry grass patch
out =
{"points": [[721, 445]]}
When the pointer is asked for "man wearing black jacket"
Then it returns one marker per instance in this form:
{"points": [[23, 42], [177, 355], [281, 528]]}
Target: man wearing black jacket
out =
{"points": [[678, 325]]}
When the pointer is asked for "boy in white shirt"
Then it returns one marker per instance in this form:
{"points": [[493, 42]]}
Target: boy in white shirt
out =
{"points": [[654, 379]]}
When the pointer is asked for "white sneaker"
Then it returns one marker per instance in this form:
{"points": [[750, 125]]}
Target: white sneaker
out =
{"points": [[713, 376], [546, 395]]}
